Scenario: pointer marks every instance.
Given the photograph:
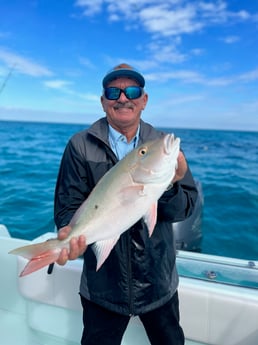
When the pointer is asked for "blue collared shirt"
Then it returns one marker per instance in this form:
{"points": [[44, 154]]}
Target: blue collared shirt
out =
{"points": [[119, 144]]}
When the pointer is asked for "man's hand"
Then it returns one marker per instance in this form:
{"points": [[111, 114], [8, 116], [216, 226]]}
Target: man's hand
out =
{"points": [[181, 167], [77, 246]]}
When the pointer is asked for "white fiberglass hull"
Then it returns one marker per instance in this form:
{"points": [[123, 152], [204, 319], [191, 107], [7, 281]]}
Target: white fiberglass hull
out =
{"points": [[43, 309]]}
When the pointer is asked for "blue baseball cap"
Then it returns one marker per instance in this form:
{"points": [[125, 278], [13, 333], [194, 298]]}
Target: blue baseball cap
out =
{"points": [[123, 70]]}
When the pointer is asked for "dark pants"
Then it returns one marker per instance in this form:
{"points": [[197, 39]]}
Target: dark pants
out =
{"points": [[102, 326]]}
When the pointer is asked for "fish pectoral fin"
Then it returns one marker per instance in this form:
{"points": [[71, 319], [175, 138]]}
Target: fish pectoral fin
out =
{"points": [[102, 250], [150, 218], [129, 193]]}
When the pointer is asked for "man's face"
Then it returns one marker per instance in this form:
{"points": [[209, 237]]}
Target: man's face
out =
{"points": [[123, 112]]}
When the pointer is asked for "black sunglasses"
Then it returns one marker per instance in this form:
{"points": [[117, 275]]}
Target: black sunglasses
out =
{"points": [[131, 92]]}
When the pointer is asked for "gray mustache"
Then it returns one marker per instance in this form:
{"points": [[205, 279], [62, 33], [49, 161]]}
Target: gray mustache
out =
{"points": [[119, 105]]}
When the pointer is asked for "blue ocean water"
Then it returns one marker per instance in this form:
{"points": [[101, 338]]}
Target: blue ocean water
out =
{"points": [[225, 162]]}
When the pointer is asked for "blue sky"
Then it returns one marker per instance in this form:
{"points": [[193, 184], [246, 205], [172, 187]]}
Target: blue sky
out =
{"points": [[199, 58]]}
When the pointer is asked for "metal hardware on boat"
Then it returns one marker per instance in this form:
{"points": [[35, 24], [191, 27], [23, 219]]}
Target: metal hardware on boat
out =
{"points": [[251, 264], [211, 274]]}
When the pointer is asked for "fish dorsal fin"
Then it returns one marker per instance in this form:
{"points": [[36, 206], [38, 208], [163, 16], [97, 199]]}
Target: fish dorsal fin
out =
{"points": [[150, 218], [102, 250]]}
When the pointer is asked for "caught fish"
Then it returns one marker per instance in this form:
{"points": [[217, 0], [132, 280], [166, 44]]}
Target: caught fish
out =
{"points": [[126, 193]]}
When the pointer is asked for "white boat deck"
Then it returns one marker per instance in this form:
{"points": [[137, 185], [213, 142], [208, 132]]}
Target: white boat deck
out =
{"points": [[42, 309]]}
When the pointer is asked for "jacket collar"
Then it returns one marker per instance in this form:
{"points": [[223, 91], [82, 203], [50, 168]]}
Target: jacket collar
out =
{"points": [[99, 129]]}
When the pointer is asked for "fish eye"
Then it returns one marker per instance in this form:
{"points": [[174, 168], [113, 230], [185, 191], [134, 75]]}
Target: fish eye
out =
{"points": [[142, 151]]}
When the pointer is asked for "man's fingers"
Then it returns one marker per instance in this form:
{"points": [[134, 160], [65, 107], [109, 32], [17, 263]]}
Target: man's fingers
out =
{"points": [[63, 257], [64, 232], [82, 244], [74, 249], [77, 248], [181, 167]]}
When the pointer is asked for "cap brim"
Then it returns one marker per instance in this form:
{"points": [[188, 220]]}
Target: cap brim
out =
{"points": [[123, 73]]}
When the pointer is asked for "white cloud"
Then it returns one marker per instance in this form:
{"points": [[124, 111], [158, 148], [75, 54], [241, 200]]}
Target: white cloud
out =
{"points": [[90, 7], [249, 76], [164, 17], [86, 62], [167, 21], [90, 97], [57, 84], [188, 76], [23, 64], [197, 52], [166, 53], [184, 99], [230, 39], [64, 86], [185, 76], [242, 15]]}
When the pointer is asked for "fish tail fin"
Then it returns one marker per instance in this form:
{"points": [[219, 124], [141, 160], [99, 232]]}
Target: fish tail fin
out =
{"points": [[39, 255], [37, 263]]}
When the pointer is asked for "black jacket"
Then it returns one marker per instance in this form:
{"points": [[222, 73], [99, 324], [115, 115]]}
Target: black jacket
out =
{"points": [[140, 273]]}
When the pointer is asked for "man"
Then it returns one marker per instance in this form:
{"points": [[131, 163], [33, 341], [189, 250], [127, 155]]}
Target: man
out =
{"points": [[139, 276]]}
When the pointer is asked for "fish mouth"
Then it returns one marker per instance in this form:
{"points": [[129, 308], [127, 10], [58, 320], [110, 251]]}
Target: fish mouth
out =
{"points": [[168, 143]]}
